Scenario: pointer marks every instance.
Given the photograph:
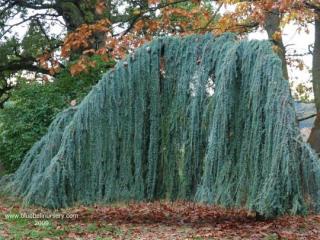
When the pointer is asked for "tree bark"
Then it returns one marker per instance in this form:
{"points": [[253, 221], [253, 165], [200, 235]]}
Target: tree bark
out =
{"points": [[314, 138], [71, 14], [316, 63], [272, 25]]}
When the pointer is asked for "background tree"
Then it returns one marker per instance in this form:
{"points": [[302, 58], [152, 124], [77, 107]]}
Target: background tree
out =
{"points": [[93, 27]]}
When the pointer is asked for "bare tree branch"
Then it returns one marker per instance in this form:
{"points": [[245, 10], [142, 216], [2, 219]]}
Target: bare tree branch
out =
{"points": [[33, 17], [308, 117], [24, 63], [134, 19], [35, 6]]}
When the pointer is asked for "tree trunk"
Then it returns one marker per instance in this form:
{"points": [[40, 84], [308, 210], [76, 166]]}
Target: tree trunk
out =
{"points": [[77, 13], [272, 25], [316, 63], [314, 138]]}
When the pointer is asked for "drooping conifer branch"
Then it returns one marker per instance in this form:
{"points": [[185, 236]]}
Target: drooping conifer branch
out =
{"points": [[198, 118]]}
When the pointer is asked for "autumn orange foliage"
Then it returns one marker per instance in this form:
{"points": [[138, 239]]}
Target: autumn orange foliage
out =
{"points": [[175, 19]]}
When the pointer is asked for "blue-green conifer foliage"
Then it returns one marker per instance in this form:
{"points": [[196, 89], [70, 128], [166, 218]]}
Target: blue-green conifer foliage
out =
{"points": [[198, 118]]}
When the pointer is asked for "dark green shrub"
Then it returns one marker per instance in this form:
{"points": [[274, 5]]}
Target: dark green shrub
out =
{"points": [[25, 118], [33, 106]]}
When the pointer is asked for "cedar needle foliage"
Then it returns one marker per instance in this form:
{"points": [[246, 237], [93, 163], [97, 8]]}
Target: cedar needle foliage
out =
{"points": [[196, 118]]}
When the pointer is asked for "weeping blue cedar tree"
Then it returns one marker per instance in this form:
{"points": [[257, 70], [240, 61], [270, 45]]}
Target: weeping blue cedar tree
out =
{"points": [[199, 118]]}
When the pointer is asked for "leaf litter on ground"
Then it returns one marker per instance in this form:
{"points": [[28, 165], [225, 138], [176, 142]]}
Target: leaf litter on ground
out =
{"points": [[155, 220]]}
